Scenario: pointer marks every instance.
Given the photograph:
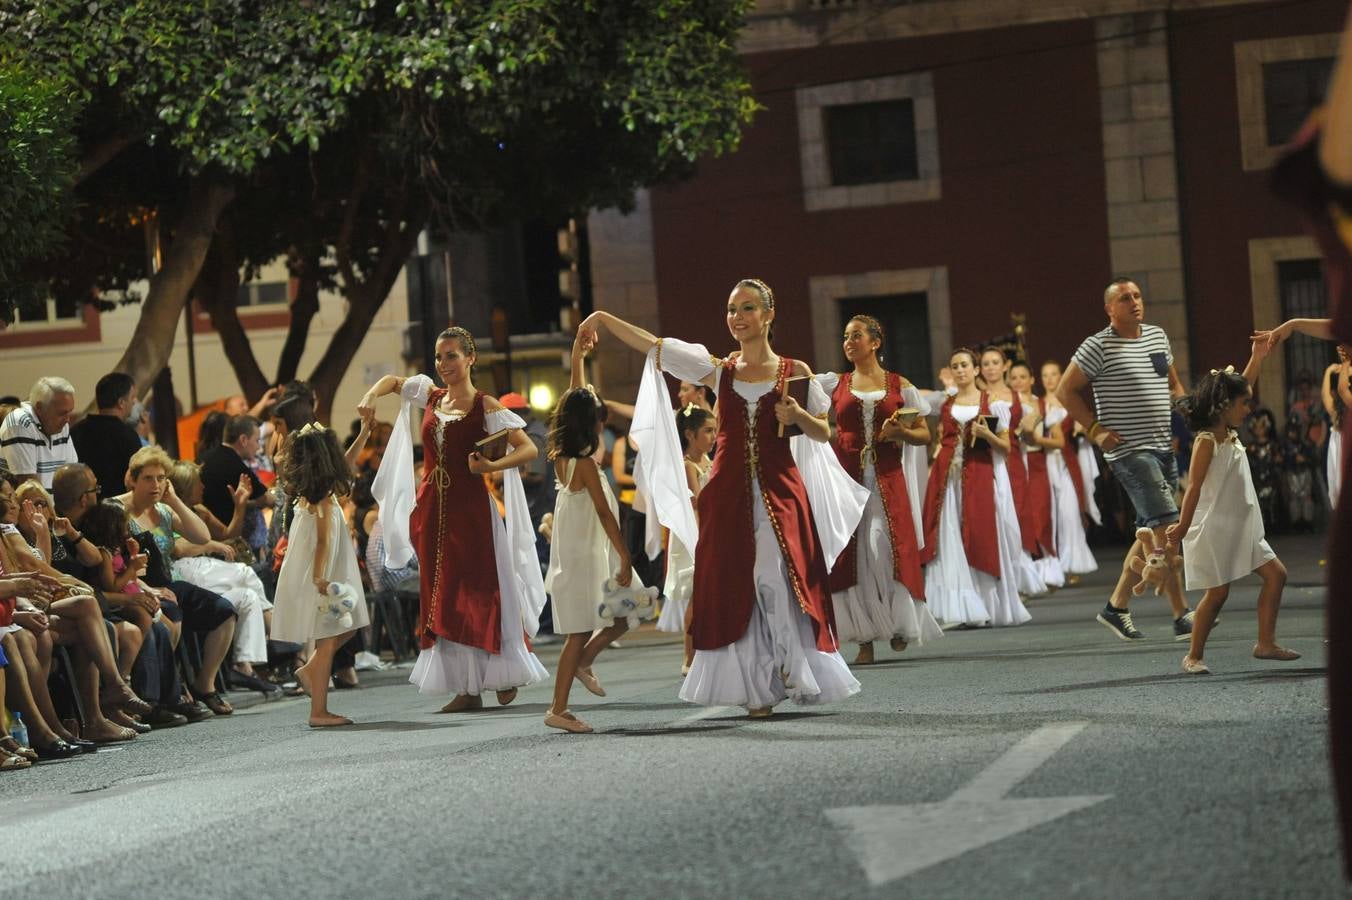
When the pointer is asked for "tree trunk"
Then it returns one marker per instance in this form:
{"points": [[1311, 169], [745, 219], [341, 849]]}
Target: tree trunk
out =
{"points": [[364, 301], [218, 289], [151, 342], [303, 265]]}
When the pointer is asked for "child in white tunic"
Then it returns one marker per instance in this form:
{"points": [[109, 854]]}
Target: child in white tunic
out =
{"points": [[1221, 524], [696, 428], [319, 557], [587, 548]]}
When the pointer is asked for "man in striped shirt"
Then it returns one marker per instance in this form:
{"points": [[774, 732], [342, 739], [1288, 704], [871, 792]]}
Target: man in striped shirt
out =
{"points": [[35, 437], [1130, 369]]}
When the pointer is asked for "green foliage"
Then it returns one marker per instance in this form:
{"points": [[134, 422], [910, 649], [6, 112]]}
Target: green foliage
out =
{"points": [[336, 118]]}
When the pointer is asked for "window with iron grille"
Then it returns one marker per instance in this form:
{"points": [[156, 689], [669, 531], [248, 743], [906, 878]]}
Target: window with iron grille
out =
{"points": [[1303, 297], [868, 143]]}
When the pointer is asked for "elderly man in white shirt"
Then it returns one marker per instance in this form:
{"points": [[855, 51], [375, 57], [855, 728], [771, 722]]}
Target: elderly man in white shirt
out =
{"points": [[35, 437]]}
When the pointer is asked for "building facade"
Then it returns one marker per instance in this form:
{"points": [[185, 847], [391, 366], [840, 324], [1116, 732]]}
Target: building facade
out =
{"points": [[944, 165]]}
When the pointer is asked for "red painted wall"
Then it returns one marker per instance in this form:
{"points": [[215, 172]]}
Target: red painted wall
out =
{"points": [[1021, 226], [1224, 206]]}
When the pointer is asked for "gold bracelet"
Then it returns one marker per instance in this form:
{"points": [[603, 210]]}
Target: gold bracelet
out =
{"points": [[1093, 427]]}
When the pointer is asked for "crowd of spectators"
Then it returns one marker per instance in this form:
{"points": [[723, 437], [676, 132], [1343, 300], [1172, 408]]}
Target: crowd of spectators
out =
{"points": [[136, 589]]}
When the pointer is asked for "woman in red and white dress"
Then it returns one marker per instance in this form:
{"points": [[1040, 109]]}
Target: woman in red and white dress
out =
{"points": [[877, 585], [1069, 485], [775, 512], [1035, 441], [969, 560], [1011, 478], [481, 590]]}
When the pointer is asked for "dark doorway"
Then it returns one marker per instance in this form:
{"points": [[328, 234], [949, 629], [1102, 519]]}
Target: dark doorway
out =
{"points": [[906, 334]]}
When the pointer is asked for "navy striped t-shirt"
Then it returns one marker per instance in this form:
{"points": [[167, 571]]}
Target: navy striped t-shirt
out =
{"points": [[1131, 386]]}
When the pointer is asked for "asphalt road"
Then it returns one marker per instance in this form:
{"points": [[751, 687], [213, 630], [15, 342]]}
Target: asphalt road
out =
{"points": [[1049, 760]]}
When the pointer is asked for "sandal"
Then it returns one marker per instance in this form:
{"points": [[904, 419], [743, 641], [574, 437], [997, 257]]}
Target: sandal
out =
{"points": [[506, 697], [10, 762], [214, 702], [1195, 666], [10, 745], [566, 721], [899, 644], [589, 681], [463, 702], [121, 696]]}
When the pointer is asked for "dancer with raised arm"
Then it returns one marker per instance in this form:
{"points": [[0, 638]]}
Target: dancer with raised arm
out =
{"points": [[969, 559], [877, 586], [763, 627], [481, 591]]}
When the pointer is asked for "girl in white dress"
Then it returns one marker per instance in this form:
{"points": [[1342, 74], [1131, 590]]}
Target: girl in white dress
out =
{"points": [[587, 548], [959, 593], [697, 430], [319, 593], [1336, 392], [1072, 549], [1221, 524]]}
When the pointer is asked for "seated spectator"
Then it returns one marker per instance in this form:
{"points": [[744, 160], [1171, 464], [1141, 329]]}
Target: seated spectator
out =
{"points": [[217, 566], [158, 515], [224, 466], [16, 645], [154, 672], [74, 616], [35, 438], [105, 440]]}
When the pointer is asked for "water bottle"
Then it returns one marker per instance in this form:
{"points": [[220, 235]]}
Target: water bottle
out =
{"points": [[18, 730]]}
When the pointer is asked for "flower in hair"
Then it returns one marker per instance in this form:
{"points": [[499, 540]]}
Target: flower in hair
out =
{"points": [[311, 426], [689, 408], [1228, 370]]}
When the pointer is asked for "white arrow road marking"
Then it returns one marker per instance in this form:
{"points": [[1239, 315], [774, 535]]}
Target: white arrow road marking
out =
{"points": [[894, 841]]}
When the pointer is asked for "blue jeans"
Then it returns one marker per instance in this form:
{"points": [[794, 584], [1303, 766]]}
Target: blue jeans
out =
{"points": [[1150, 478]]}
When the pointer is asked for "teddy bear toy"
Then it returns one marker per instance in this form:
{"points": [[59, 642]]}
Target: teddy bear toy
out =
{"points": [[1155, 567], [634, 603], [338, 603]]}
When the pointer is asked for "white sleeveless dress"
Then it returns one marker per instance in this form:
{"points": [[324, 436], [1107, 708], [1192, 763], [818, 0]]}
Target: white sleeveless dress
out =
{"points": [[296, 617], [1226, 540], [581, 558]]}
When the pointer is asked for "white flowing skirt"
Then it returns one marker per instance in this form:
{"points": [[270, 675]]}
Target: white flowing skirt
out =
{"points": [[678, 588], [1067, 525], [1334, 465], [877, 607], [1027, 579], [1002, 594], [451, 668], [950, 582], [777, 657], [240, 585]]}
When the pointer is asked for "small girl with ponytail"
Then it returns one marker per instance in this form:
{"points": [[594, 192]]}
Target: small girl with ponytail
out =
{"points": [[697, 431], [1227, 540]]}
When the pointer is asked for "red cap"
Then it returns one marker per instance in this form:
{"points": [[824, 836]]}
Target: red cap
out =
{"points": [[513, 400]]}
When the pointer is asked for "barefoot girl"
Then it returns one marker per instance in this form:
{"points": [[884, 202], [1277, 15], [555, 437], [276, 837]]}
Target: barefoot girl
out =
{"points": [[319, 555], [1221, 524], [587, 548]]}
